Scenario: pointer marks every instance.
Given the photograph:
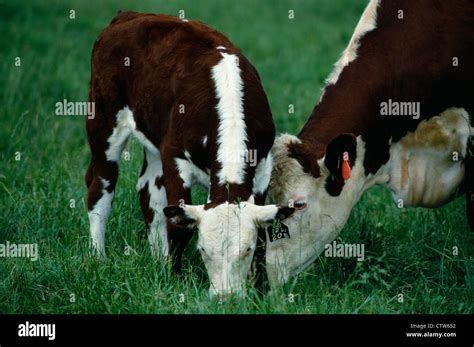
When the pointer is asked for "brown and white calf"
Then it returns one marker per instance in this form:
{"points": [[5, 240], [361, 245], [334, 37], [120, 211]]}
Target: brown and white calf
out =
{"points": [[416, 56], [197, 106]]}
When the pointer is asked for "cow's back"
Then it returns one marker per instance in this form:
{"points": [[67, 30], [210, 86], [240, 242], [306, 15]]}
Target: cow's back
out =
{"points": [[161, 67]]}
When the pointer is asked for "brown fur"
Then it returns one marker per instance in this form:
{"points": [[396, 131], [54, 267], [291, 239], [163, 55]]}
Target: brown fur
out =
{"points": [[170, 65], [403, 60]]}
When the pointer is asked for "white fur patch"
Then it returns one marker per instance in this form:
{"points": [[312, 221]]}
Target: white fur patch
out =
{"points": [[367, 22], [190, 173], [125, 126], [153, 170], [232, 131], [263, 174], [421, 168], [158, 232], [221, 47], [98, 219], [120, 134]]}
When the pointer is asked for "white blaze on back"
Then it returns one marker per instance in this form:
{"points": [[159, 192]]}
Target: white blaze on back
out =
{"points": [[231, 131], [367, 22]]}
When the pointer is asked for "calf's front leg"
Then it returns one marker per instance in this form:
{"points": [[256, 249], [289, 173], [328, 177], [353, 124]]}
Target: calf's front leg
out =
{"points": [[178, 193]]}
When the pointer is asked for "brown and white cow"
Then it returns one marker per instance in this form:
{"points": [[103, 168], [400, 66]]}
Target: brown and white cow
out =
{"points": [[197, 106], [414, 58]]}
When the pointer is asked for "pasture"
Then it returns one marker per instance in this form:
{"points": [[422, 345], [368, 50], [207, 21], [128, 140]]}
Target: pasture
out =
{"points": [[416, 260]]}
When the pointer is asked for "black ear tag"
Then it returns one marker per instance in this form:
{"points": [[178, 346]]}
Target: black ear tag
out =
{"points": [[278, 231], [469, 169]]}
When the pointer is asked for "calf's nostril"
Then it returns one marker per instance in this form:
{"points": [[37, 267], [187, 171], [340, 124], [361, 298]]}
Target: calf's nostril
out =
{"points": [[226, 298]]}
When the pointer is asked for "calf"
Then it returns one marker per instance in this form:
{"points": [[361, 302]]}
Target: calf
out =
{"points": [[395, 111], [197, 106]]}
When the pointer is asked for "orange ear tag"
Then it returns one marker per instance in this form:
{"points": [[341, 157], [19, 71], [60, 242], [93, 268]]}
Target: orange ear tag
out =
{"points": [[346, 168]]}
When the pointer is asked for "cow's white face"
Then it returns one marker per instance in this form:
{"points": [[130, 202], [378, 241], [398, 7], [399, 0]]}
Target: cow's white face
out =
{"points": [[422, 171], [319, 216], [227, 239]]}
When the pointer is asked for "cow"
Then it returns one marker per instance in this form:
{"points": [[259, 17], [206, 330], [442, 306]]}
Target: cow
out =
{"points": [[197, 106], [395, 111]]}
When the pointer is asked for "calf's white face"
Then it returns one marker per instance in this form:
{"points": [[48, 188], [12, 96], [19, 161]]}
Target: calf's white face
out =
{"points": [[227, 238]]}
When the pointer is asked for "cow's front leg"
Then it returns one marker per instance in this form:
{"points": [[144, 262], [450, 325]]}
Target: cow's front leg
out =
{"points": [[178, 191]]}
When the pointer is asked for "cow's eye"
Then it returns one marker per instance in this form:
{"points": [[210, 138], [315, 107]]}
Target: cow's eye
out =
{"points": [[300, 204], [202, 250]]}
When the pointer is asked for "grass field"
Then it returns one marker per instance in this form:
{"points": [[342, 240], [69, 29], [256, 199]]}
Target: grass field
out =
{"points": [[408, 251]]}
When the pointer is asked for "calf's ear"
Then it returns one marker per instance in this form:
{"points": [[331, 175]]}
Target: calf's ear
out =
{"points": [[186, 216], [339, 159], [284, 212], [269, 213]]}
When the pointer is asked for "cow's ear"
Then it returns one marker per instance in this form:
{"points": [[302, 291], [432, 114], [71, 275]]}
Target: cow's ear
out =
{"points": [[185, 216], [339, 159]]}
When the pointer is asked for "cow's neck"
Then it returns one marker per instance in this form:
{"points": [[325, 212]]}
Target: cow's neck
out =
{"points": [[412, 166], [334, 115]]}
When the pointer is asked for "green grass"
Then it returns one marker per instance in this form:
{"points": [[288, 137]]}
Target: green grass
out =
{"points": [[408, 251]]}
